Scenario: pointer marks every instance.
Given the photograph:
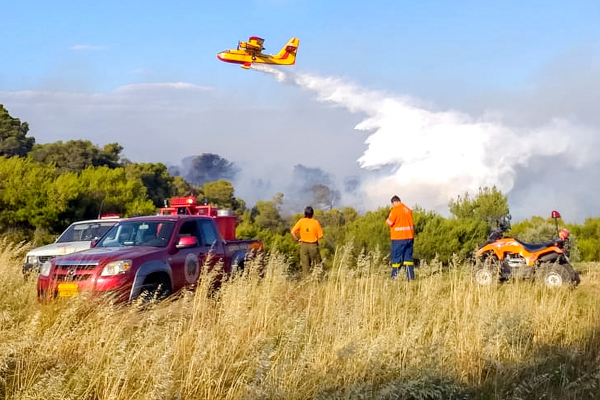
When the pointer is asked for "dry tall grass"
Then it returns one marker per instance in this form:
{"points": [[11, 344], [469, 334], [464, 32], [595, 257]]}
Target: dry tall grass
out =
{"points": [[350, 335]]}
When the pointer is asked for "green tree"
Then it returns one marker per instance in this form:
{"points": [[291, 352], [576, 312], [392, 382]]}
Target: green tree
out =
{"points": [[534, 230], [589, 249], [349, 215], [24, 195], [266, 215], [156, 178], [13, 135], [323, 197], [221, 194], [182, 188], [588, 238], [209, 167], [246, 228], [334, 223], [473, 219], [275, 236], [104, 190], [489, 205], [110, 156], [370, 232], [32, 197], [434, 236], [76, 155]]}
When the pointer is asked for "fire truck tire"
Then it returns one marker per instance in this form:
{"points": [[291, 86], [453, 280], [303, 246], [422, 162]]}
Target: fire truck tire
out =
{"points": [[554, 275], [155, 290]]}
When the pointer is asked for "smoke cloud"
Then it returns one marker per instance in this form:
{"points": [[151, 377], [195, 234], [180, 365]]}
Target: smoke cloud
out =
{"points": [[438, 155]]}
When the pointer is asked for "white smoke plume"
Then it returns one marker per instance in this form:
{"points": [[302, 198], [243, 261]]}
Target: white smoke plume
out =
{"points": [[439, 155]]}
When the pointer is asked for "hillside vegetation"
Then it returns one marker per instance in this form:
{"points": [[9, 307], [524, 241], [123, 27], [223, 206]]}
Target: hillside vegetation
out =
{"points": [[44, 187], [345, 333]]}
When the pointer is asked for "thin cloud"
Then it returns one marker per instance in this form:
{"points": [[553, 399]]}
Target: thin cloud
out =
{"points": [[83, 47], [135, 87]]}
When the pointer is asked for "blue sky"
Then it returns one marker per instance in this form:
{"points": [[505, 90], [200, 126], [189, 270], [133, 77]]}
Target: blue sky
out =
{"points": [[107, 71], [384, 43]]}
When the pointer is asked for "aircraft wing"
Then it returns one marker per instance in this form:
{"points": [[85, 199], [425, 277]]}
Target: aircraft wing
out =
{"points": [[255, 43]]}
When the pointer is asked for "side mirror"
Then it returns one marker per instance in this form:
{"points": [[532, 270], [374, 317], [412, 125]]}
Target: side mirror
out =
{"points": [[186, 241], [94, 242]]}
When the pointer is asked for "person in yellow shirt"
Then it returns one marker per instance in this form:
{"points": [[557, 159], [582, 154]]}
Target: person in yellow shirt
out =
{"points": [[402, 233], [308, 231]]}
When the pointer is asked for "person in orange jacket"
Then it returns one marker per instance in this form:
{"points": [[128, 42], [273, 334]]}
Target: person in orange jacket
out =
{"points": [[308, 231], [402, 233]]}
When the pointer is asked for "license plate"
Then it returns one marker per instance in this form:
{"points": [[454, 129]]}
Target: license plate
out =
{"points": [[67, 289]]}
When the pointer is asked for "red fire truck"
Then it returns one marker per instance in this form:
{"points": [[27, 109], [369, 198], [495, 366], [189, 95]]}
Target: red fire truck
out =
{"points": [[152, 256]]}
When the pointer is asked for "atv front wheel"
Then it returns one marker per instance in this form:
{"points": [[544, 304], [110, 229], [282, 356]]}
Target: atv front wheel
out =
{"points": [[485, 270], [484, 275]]}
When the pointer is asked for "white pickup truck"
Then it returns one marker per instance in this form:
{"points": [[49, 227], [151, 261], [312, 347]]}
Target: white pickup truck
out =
{"points": [[77, 237]]}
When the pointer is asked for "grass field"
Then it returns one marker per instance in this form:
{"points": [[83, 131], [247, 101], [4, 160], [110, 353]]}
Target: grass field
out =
{"points": [[353, 334]]}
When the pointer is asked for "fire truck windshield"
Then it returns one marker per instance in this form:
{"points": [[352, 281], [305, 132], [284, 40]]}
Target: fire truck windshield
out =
{"points": [[138, 233]]}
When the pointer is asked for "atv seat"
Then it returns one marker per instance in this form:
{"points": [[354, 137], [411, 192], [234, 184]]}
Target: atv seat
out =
{"points": [[533, 247]]}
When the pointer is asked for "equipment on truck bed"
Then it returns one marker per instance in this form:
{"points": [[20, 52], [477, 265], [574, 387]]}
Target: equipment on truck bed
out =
{"points": [[226, 220]]}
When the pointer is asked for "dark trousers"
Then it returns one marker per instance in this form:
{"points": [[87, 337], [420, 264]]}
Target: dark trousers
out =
{"points": [[402, 251], [309, 257]]}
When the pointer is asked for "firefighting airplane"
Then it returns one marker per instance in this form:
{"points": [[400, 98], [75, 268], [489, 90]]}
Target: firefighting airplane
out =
{"points": [[251, 52]]}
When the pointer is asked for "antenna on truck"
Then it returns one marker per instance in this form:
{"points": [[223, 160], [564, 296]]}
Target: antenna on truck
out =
{"points": [[100, 210]]}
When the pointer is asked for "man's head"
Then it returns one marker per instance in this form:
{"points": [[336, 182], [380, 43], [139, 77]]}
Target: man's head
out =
{"points": [[395, 200], [308, 212]]}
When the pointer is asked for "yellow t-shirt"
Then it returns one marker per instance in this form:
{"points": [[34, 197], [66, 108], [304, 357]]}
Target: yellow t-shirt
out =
{"points": [[310, 230]]}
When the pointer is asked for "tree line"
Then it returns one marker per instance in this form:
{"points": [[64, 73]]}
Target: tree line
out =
{"points": [[45, 187]]}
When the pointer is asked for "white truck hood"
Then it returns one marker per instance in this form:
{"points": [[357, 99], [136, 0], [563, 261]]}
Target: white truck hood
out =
{"points": [[59, 249]]}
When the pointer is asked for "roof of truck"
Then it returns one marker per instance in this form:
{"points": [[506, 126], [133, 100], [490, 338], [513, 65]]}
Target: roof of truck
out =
{"points": [[167, 217]]}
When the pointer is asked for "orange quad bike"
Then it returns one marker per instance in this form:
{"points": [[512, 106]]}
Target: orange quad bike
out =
{"points": [[502, 258]]}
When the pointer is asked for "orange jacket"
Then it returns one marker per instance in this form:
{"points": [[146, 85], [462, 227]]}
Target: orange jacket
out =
{"points": [[400, 222], [310, 230]]}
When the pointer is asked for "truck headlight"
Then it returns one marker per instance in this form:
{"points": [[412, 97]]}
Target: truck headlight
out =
{"points": [[45, 268], [116, 268], [31, 260]]}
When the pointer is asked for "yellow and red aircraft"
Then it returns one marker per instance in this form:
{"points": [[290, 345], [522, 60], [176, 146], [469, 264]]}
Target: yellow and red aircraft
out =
{"points": [[251, 52]]}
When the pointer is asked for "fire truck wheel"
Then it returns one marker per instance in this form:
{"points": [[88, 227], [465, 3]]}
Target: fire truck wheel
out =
{"points": [[155, 290], [553, 275]]}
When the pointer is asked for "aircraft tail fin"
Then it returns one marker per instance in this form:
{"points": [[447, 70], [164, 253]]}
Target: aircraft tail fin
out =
{"points": [[287, 55]]}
